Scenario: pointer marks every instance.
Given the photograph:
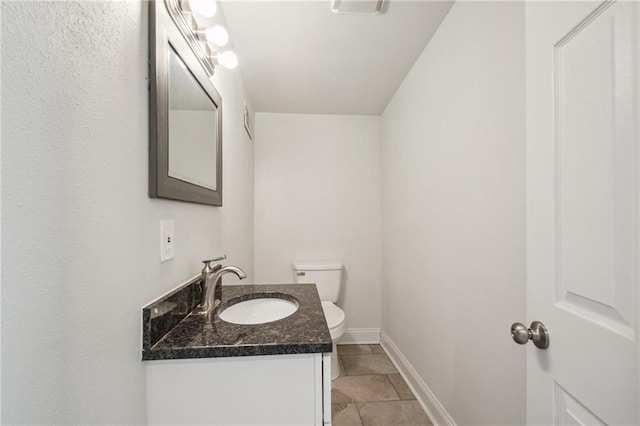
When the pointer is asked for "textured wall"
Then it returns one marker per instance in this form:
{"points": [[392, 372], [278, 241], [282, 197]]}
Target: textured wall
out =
{"points": [[80, 235], [453, 202], [318, 198]]}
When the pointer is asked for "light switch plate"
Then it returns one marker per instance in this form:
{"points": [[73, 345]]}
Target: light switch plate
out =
{"points": [[167, 240]]}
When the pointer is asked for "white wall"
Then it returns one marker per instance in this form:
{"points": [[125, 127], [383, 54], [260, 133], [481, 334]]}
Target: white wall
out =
{"points": [[80, 235], [318, 198], [453, 203]]}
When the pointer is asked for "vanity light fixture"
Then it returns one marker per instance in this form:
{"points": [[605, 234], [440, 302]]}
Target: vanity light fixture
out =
{"points": [[205, 8], [216, 35], [227, 59], [204, 41]]}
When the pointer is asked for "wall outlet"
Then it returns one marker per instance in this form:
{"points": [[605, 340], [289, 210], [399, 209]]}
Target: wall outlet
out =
{"points": [[167, 240]]}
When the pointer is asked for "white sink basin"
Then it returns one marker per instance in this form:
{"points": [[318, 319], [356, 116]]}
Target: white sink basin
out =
{"points": [[259, 311]]}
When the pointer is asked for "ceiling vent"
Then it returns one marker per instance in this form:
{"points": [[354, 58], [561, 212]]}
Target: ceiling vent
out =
{"points": [[363, 7]]}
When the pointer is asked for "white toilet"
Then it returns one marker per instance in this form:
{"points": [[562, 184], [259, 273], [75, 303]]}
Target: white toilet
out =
{"points": [[328, 278]]}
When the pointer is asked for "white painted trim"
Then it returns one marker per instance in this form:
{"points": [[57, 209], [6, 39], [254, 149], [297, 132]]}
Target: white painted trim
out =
{"points": [[423, 394], [360, 336]]}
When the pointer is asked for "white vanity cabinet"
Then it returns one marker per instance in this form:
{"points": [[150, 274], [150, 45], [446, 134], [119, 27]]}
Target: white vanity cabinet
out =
{"points": [[202, 370], [275, 390]]}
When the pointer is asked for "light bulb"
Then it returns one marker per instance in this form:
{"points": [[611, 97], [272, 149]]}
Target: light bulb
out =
{"points": [[204, 8], [228, 59], [217, 35]]}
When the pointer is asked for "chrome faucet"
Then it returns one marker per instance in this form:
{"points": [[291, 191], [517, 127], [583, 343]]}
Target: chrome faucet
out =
{"points": [[211, 277]]}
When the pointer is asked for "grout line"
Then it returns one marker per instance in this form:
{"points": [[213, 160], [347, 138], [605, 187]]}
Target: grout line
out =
{"points": [[359, 415], [393, 387]]}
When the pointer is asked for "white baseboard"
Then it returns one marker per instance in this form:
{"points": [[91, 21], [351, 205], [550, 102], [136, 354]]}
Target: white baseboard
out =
{"points": [[360, 336], [423, 394]]}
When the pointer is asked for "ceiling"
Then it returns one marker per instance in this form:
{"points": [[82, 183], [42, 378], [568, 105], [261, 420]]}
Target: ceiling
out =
{"points": [[299, 57]]}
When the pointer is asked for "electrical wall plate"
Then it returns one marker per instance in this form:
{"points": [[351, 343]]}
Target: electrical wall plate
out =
{"points": [[167, 240]]}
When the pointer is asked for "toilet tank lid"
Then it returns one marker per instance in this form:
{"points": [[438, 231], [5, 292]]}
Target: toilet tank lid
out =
{"points": [[317, 266]]}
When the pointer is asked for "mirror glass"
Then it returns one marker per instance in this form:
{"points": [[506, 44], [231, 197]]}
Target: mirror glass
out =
{"points": [[192, 127]]}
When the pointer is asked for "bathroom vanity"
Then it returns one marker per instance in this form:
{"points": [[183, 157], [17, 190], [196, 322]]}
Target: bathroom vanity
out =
{"points": [[203, 370]]}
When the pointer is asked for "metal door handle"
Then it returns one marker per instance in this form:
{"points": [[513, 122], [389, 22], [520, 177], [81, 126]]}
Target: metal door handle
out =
{"points": [[537, 332]]}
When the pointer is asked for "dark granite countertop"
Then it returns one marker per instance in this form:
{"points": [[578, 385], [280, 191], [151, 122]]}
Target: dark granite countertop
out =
{"points": [[173, 329]]}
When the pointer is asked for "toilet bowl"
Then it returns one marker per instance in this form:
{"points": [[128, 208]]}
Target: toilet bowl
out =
{"points": [[335, 321], [327, 276]]}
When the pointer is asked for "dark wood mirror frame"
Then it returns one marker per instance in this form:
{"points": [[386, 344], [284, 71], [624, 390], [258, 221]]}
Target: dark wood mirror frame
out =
{"points": [[164, 34]]}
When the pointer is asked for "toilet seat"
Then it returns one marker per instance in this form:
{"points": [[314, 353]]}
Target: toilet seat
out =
{"points": [[333, 314], [335, 319]]}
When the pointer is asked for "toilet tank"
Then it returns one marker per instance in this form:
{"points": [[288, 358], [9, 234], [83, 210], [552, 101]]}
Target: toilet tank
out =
{"points": [[326, 275]]}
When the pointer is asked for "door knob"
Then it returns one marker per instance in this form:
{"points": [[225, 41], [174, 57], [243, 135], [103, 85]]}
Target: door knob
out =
{"points": [[537, 332]]}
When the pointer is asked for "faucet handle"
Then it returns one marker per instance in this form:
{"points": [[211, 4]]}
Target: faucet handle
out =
{"points": [[210, 269], [223, 257]]}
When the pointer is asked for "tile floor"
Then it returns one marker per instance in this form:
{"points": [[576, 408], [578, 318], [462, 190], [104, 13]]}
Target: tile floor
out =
{"points": [[371, 392]]}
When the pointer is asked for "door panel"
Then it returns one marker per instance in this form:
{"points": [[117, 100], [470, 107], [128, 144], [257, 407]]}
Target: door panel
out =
{"points": [[582, 211], [569, 411], [595, 180]]}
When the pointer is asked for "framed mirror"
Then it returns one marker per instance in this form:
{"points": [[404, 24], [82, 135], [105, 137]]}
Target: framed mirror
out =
{"points": [[185, 118]]}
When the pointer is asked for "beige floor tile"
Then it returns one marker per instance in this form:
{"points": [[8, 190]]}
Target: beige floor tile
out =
{"points": [[367, 364], [353, 349], [396, 413], [362, 388], [401, 387], [377, 349], [339, 397], [345, 415]]}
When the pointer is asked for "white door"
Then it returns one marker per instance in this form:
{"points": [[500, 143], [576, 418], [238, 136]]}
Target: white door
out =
{"points": [[582, 211]]}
